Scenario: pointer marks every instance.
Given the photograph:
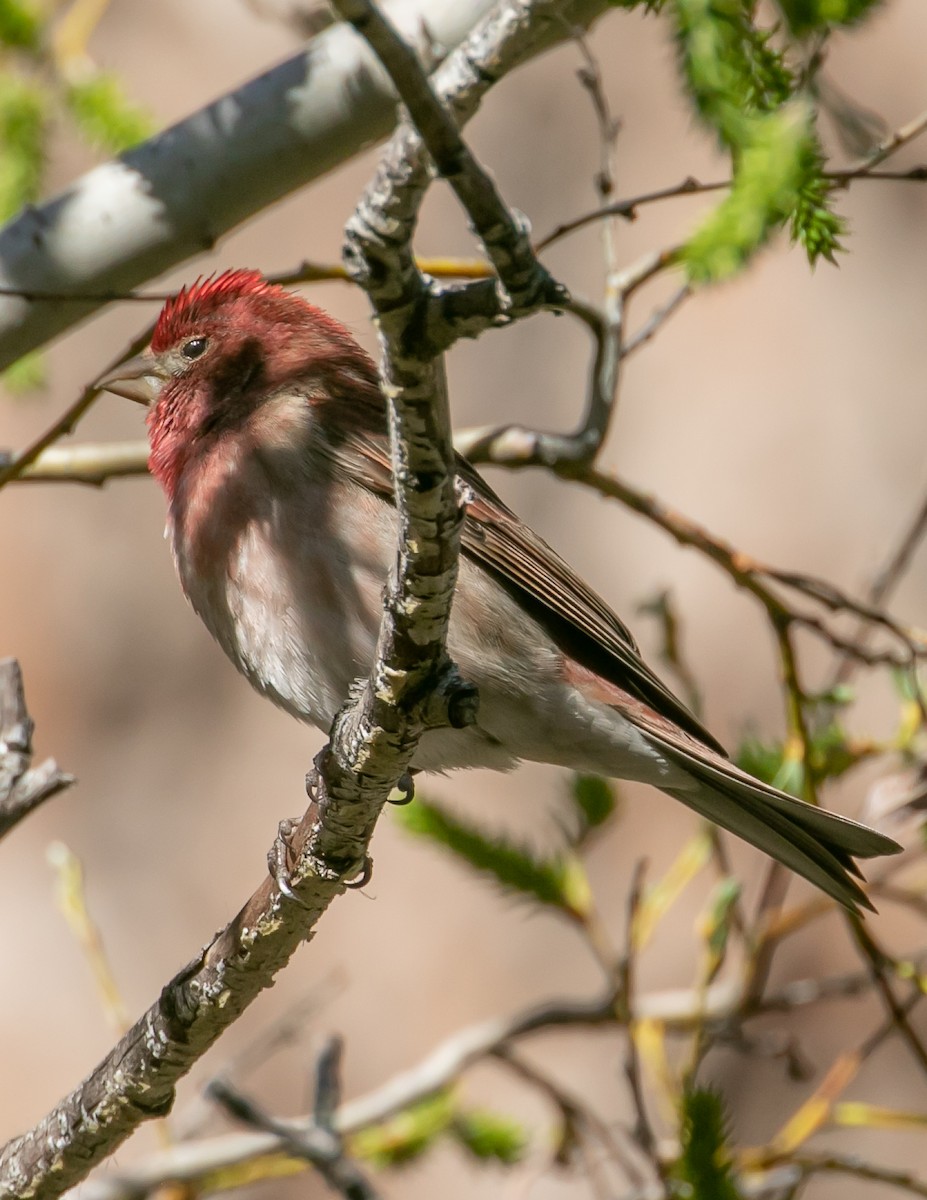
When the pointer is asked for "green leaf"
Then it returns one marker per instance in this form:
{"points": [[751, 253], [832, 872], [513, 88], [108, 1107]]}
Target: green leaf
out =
{"points": [[805, 17], [906, 684], [411, 1133], [105, 116], [762, 760], [704, 1165], [408, 1134], [595, 799], [814, 223], [716, 924], [20, 25], [731, 70], [744, 90], [23, 111], [27, 374], [556, 882], [833, 753], [488, 1135], [769, 176], [842, 695]]}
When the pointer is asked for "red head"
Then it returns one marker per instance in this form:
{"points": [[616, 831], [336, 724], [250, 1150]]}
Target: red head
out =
{"points": [[221, 349]]}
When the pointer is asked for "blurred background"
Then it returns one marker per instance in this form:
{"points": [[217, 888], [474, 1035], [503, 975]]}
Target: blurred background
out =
{"points": [[784, 411]]}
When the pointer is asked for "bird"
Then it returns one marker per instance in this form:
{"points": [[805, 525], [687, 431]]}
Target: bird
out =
{"points": [[268, 434]]}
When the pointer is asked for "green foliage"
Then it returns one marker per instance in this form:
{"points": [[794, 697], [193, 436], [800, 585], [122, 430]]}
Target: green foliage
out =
{"points": [[833, 753], [23, 113], [805, 17], [559, 882], [814, 225], [743, 89], [411, 1133], [717, 924], [703, 1169], [27, 374], [38, 81], [731, 70], [489, 1136], [762, 760], [105, 116], [595, 801], [20, 25], [408, 1134], [24, 107], [768, 180]]}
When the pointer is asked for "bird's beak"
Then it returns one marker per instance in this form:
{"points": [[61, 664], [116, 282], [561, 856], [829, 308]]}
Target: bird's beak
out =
{"points": [[136, 379]]}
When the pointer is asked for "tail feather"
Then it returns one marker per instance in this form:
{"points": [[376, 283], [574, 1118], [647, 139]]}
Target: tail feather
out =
{"points": [[789, 845], [816, 844]]}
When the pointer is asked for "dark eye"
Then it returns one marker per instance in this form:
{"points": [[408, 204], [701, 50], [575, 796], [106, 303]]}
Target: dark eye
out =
{"points": [[194, 348]]}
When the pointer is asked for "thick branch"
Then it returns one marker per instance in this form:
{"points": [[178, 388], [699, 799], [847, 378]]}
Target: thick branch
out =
{"points": [[504, 234], [168, 200]]}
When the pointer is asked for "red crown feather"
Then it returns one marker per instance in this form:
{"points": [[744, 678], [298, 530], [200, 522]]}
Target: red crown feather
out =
{"points": [[202, 297]]}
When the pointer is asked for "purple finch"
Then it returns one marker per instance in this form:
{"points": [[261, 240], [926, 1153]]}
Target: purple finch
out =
{"points": [[269, 437]]}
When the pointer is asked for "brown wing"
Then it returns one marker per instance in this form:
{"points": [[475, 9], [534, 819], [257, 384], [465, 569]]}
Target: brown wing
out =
{"points": [[521, 562]]}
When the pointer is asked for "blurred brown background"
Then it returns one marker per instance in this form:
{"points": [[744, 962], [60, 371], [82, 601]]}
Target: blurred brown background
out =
{"points": [[785, 411]]}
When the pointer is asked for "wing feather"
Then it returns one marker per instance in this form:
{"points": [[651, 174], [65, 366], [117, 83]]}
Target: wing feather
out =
{"points": [[546, 586]]}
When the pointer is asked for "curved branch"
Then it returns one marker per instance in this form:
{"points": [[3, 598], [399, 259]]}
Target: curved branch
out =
{"points": [[174, 196]]}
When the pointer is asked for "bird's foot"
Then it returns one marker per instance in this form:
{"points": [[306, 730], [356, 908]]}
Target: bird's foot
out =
{"points": [[279, 859]]}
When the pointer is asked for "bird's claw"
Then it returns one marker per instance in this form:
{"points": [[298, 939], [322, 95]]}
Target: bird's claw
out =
{"points": [[406, 789], [278, 860], [364, 877]]}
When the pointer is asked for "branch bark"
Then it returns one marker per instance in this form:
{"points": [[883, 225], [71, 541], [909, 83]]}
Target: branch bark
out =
{"points": [[169, 199]]}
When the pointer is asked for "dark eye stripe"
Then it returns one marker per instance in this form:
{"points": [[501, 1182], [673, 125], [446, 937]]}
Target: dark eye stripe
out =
{"points": [[194, 348]]}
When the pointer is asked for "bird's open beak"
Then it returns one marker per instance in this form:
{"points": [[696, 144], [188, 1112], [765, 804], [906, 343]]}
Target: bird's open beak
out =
{"points": [[137, 379]]}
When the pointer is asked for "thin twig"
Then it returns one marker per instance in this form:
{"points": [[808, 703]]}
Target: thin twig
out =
{"points": [[657, 320], [859, 1168], [643, 1131], [879, 964], [900, 137], [864, 169], [884, 583], [319, 1145], [68, 420], [576, 1113], [22, 787]]}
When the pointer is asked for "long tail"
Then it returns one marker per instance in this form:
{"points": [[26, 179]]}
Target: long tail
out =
{"points": [[816, 844]]}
